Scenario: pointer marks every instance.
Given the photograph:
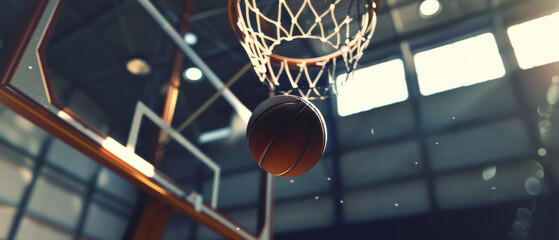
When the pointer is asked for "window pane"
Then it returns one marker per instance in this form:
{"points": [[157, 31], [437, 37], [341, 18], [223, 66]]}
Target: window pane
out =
{"points": [[536, 42], [375, 86], [6, 216], [230, 193], [495, 141], [18, 131], [304, 214], [54, 202], [101, 223], [116, 186], [32, 228], [315, 180], [509, 182], [381, 163], [462, 63], [13, 179], [388, 201], [69, 159]]}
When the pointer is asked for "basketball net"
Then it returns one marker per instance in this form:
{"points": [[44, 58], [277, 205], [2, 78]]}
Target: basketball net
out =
{"points": [[337, 28]]}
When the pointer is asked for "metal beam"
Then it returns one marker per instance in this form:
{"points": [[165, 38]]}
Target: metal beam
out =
{"points": [[420, 135], [336, 183]]}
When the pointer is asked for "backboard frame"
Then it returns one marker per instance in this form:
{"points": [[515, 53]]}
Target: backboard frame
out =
{"points": [[31, 39]]}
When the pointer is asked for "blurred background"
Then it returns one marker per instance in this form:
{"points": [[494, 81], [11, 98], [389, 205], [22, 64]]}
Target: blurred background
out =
{"points": [[450, 130]]}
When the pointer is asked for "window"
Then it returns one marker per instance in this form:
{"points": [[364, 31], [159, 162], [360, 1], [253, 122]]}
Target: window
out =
{"points": [[103, 223], [7, 214], [462, 63], [371, 87], [536, 42]]}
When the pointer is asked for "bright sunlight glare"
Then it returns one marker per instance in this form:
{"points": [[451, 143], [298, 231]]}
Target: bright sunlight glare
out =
{"points": [[536, 42], [371, 87], [462, 63], [429, 8]]}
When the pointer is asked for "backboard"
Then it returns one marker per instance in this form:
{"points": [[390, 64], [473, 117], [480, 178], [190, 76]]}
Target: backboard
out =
{"points": [[28, 88]]}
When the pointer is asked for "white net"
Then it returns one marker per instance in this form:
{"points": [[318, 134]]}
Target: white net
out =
{"points": [[294, 44]]}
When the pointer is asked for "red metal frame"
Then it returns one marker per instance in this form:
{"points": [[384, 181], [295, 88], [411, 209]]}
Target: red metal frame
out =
{"points": [[28, 108]]}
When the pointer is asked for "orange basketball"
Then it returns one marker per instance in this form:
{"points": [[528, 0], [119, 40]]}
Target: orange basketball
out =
{"points": [[286, 135]]}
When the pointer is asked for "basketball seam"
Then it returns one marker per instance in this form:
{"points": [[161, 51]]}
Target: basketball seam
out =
{"points": [[322, 123], [269, 108], [304, 149], [279, 133], [263, 114]]}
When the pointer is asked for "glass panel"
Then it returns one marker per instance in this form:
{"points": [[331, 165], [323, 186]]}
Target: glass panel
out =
{"points": [[29, 77], [102, 223], [20, 132], [536, 42], [13, 179], [88, 109], [205, 233], [6, 217], [235, 190], [303, 215], [371, 87], [381, 163], [387, 202], [474, 103], [315, 180], [462, 63], [179, 227], [32, 228], [373, 126], [477, 145], [55, 202], [245, 218], [490, 185], [71, 160], [116, 186]]}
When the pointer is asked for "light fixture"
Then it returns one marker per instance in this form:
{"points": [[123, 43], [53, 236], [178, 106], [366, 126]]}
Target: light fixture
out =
{"points": [[192, 74], [214, 135], [138, 67], [190, 38], [429, 8]]}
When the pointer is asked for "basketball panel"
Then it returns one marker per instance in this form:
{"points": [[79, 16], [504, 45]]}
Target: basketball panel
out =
{"points": [[315, 148], [289, 145], [267, 104], [265, 129]]}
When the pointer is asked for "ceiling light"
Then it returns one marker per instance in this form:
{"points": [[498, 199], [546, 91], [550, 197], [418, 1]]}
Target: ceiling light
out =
{"points": [[193, 74], [190, 38], [214, 135], [429, 8], [542, 152], [138, 67]]}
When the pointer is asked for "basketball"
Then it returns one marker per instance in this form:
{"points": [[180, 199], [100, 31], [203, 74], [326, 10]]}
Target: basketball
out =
{"points": [[286, 135]]}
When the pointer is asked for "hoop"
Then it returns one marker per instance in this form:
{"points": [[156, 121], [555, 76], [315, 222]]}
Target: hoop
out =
{"points": [[260, 36]]}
